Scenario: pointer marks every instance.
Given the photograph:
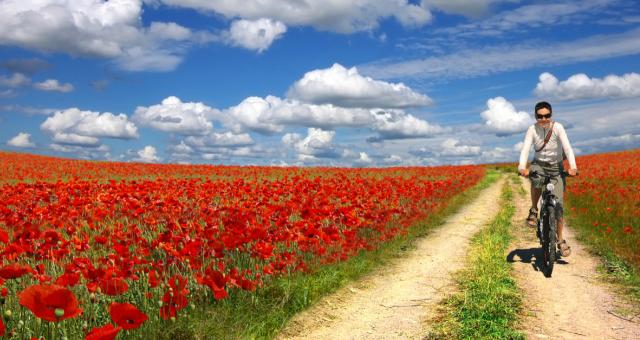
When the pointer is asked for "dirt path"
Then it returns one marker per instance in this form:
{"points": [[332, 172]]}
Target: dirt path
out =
{"points": [[572, 304], [394, 301]]}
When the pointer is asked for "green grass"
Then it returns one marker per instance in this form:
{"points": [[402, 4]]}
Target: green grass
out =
{"points": [[263, 313], [615, 269], [488, 301]]}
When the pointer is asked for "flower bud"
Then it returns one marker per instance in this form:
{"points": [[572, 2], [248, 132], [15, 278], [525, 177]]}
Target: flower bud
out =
{"points": [[8, 313], [59, 312]]}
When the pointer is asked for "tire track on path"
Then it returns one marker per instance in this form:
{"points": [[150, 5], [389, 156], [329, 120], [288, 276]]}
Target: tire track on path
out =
{"points": [[394, 301]]}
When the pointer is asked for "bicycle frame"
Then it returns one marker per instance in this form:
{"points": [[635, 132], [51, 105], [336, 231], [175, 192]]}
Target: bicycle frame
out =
{"points": [[547, 223], [548, 200]]}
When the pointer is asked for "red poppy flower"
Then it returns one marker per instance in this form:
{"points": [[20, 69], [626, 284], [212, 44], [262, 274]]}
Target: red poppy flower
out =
{"points": [[100, 239], [216, 281], [106, 332], [68, 279], [14, 271], [153, 279], [114, 286], [50, 302], [127, 315], [3, 328], [4, 236], [178, 283], [172, 303]]}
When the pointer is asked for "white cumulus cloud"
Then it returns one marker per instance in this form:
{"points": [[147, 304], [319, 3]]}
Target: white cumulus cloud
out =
{"points": [[453, 147], [53, 85], [255, 34], [502, 118], [74, 126], [317, 144], [83, 151], [16, 80], [328, 15], [271, 114], [226, 139], [172, 115], [22, 140], [397, 124], [74, 139], [448, 148], [497, 154], [580, 86], [344, 87], [96, 28], [148, 154]]}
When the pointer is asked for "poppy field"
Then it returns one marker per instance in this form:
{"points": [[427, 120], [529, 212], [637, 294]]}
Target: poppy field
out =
{"points": [[604, 202], [106, 250]]}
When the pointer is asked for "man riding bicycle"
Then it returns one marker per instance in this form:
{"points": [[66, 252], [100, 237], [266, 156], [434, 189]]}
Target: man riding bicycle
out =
{"points": [[550, 142]]}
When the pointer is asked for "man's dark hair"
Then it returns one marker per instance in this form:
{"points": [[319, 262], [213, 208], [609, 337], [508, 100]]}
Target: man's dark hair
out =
{"points": [[543, 105]]}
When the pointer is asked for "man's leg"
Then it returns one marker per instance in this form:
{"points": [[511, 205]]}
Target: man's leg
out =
{"points": [[535, 196], [560, 227]]}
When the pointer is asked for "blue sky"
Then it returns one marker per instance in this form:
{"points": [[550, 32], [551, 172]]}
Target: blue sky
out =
{"points": [[334, 82]]}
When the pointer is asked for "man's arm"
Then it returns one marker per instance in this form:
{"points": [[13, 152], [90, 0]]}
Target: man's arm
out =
{"points": [[526, 146], [566, 147]]}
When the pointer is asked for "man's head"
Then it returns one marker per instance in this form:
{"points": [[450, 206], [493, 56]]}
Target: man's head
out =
{"points": [[543, 105], [543, 113]]}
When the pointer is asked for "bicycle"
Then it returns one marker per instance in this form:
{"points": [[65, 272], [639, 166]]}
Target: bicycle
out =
{"points": [[546, 229]]}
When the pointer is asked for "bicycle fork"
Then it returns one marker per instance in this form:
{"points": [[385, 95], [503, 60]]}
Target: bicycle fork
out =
{"points": [[548, 200]]}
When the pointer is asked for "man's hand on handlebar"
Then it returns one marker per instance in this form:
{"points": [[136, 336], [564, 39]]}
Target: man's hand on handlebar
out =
{"points": [[526, 173]]}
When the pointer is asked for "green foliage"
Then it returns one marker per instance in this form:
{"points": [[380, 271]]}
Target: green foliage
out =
{"points": [[615, 268]]}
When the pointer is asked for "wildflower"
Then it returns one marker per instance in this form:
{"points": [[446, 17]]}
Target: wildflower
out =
{"points": [[127, 315], [14, 271], [114, 286], [50, 302], [106, 332]]}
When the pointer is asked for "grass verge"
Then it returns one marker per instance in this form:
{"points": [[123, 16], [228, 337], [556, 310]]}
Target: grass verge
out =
{"points": [[614, 268], [263, 313], [488, 300]]}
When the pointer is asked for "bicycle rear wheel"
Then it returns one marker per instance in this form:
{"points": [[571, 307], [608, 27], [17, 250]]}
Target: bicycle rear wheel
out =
{"points": [[550, 240]]}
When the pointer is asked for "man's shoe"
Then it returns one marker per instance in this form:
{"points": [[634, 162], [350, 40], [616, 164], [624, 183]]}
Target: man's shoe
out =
{"points": [[532, 219]]}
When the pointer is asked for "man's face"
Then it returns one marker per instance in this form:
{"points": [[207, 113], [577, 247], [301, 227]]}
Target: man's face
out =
{"points": [[543, 117]]}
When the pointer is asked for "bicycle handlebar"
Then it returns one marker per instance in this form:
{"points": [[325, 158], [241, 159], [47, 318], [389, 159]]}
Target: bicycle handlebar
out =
{"points": [[536, 174]]}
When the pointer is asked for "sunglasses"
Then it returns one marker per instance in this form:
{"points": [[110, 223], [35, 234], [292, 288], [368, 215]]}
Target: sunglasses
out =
{"points": [[542, 116]]}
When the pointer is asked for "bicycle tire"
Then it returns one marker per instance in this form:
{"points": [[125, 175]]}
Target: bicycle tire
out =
{"points": [[550, 240]]}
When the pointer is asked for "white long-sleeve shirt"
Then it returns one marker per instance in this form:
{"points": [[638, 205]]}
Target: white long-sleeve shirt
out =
{"points": [[552, 152]]}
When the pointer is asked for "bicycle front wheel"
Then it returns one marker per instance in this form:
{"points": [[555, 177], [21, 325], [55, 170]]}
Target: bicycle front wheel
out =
{"points": [[550, 240]]}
